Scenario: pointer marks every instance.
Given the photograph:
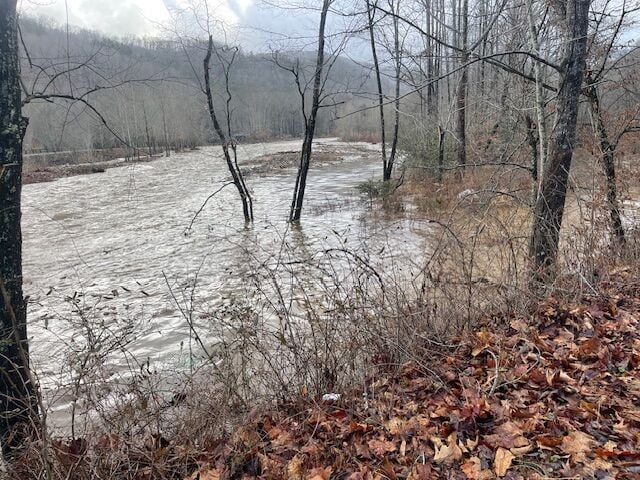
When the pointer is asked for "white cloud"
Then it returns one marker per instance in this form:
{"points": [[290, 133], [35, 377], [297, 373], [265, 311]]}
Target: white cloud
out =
{"points": [[129, 17], [118, 17]]}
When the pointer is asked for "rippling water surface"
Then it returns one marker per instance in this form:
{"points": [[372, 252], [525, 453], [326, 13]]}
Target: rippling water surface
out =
{"points": [[106, 242]]}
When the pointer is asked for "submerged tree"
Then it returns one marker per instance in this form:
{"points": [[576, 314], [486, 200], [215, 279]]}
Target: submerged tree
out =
{"points": [[228, 144], [310, 120], [376, 65], [198, 15]]}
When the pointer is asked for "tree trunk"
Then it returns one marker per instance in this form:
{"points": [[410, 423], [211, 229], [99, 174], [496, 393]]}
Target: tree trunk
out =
{"points": [[538, 69], [310, 126], [398, 64], [532, 140], [376, 66], [441, 140], [549, 207], [461, 94], [17, 393], [146, 131], [232, 165], [607, 160]]}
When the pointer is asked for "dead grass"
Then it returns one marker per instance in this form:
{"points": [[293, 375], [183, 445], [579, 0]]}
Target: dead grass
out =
{"points": [[273, 162]]}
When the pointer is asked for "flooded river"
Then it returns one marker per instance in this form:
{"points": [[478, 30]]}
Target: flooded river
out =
{"points": [[113, 247]]}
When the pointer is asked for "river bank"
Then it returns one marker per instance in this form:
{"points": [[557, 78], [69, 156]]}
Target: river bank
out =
{"points": [[547, 392], [40, 174], [47, 167], [374, 337]]}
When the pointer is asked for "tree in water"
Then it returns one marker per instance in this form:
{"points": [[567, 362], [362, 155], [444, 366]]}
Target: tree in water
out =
{"points": [[310, 121], [199, 14], [376, 65], [229, 148]]}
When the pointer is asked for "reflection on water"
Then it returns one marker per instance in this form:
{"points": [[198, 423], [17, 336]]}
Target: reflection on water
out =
{"points": [[114, 244]]}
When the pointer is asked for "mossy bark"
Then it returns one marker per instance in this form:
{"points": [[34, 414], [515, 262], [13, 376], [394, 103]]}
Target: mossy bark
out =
{"points": [[17, 399]]}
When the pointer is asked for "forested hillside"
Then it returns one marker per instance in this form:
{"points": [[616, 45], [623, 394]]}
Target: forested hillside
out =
{"points": [[149, 91]]}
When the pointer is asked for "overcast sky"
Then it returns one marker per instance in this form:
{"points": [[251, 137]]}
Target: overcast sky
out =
{"points": [[251, 22]]}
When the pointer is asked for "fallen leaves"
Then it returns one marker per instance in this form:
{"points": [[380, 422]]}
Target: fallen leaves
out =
{"points": [[381, 447], [565, 404], [577, 444], [502, 462], [449, 452]]}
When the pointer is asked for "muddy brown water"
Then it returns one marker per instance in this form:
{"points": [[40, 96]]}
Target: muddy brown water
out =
{"points": [[103, 244]]}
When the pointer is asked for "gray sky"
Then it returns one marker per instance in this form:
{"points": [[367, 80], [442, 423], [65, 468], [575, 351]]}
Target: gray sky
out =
{"points": [[126, 17], [251, 23]]}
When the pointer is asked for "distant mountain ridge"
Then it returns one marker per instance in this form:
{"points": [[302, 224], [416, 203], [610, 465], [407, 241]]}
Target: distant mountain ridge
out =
{"points": [[149, 91]]}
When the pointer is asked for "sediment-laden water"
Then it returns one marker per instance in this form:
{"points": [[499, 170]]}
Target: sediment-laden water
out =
{"points": [[112, 249]]}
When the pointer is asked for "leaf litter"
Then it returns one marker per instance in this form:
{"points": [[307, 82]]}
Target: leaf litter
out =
{"points": [[551, 394]]}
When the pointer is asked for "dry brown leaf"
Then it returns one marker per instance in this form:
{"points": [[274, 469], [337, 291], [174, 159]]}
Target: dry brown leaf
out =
{"points": [[447, 453], [502, 462], [472, 444], [518, 451], [396, 426], [208, 474], [381, 447], [472, 468], [577, 444], [271, 465], [421, 472], [483, 339], [519, 325], [294, 468], [549, 441], [593, 467], [320, 473], [509, 435]]}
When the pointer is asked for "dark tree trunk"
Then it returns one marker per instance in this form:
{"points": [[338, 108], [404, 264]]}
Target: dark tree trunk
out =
{"points": [[532, 140], [549, 207], [461, 94], [376, 66], [441, 139], [17, 393], [398, 64], [310, 126], [232, 164], [146, 131], [607, 160], [167, 151]]}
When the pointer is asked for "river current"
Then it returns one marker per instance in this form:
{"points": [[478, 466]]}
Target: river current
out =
{"points": [[114, 247]]}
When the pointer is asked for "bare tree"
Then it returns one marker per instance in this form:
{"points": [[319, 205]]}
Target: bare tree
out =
{"points": [[461, 94], [310, 120], [394, 6], [376, 65], [573, 15], [607, 68], [199, 15], [538, 68], [228, 144]]}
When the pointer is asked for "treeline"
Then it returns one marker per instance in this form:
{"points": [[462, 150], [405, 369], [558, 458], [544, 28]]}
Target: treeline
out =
{"points": [[147, 93]]}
